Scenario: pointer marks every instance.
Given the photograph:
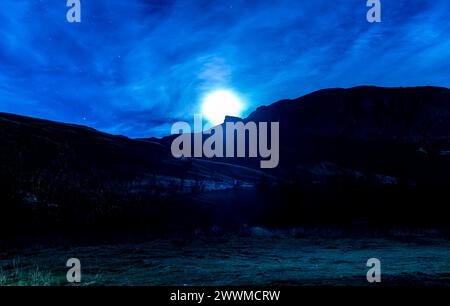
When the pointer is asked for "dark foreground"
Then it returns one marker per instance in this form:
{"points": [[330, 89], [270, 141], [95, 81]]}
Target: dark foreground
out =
{"points": [[259, 257]]}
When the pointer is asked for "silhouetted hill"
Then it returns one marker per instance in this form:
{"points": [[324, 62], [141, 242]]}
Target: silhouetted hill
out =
{"points": [[362, 147], [380, 156], [385, 148], [56, 175], [34, 145]]}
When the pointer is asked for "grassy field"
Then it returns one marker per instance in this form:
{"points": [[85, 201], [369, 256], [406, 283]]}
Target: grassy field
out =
{"points": [[260, 258]]}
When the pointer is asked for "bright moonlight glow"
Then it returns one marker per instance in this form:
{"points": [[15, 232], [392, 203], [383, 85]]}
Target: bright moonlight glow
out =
{"points": [[219, 104]]}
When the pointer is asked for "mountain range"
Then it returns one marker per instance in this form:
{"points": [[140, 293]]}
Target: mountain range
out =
{"points": [[380, 156]]}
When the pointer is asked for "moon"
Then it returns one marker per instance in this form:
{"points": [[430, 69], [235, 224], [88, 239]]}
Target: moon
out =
{"points": [[220, 103]]}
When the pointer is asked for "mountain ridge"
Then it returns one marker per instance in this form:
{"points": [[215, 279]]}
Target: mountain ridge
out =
{"points": [[342, 152]]}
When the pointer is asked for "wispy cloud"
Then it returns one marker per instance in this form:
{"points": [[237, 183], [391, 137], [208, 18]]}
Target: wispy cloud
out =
{"points": [[131, 67]]}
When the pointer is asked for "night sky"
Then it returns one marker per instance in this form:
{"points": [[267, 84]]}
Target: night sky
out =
{"points": [[133, 67]]}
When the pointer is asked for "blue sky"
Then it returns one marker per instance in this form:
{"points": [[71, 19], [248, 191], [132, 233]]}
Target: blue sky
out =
{"points": [[134, 67]]}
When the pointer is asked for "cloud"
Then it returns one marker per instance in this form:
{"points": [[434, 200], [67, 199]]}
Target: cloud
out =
{"points": [[132, 67]]}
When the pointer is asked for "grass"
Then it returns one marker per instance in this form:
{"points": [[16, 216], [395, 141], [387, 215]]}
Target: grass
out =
{"points": [[253, 259], [17, 274]]}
